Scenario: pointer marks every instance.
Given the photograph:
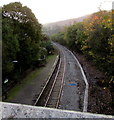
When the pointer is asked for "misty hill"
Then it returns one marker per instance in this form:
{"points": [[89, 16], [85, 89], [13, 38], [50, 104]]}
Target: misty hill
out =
{"points": [[52, 28]]}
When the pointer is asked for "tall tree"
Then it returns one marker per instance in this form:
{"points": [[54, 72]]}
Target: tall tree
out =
{"points": [[21, 40]]}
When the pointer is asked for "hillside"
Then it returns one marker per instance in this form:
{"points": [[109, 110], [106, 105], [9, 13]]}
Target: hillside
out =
{"points": [[52, 28]]}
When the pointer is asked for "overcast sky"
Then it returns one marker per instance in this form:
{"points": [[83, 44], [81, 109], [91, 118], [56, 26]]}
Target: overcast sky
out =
{"points": [[48, 11]]}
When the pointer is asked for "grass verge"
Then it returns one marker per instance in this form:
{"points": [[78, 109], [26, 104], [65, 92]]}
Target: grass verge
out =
{"points": [[27, 80]]}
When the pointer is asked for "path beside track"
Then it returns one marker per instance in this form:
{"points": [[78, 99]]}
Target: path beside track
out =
{"points": [[74, 83]]}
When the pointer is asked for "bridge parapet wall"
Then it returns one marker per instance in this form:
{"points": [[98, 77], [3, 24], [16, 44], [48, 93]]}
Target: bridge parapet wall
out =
{"points": [[10, 110]]}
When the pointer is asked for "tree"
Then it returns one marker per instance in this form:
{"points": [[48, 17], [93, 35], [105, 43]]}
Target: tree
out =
{"points": [[10, 47], [21, 41], [28, 30]]}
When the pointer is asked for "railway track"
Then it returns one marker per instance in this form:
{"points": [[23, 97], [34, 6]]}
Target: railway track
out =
{"points": [[51, 92]]}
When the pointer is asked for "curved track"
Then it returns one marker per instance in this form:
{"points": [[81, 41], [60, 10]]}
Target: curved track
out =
{"points": [[75, 88], [51, 93], [67, 88]]}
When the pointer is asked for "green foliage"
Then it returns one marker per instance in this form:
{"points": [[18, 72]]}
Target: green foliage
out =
{"points": [[10, 47], [46, 43], [22, 42], [25, 30], [70, 36], [75, 37], [59, 38]]}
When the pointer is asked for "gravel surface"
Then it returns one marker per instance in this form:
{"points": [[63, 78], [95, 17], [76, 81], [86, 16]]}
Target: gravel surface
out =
{"points": [[27, 94], [73, 88]]}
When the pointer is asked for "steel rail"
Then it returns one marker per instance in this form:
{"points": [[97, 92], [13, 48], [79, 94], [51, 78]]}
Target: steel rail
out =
{"points": [[53, 84], [60, 93], [52, 71]]}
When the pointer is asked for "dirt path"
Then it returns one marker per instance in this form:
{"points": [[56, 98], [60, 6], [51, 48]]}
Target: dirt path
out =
{"points": [[27, 94], [99, 97]]}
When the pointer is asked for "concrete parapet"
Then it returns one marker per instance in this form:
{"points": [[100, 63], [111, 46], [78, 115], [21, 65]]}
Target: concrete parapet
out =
{"points": [[10, 110]]}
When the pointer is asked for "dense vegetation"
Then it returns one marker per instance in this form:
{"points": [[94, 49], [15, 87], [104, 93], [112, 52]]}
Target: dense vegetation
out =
{"points": [[94, 38], [24, 45]]}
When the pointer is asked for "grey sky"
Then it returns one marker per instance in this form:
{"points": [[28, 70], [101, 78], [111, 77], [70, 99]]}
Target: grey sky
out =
{"points": [[55, 10]]}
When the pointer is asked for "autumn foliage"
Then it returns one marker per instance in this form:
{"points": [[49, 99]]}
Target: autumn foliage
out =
{"points": [[94, 38]]}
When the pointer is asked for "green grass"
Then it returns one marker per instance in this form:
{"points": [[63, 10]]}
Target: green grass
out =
{"points": [[51, 56], [27, 80]]}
